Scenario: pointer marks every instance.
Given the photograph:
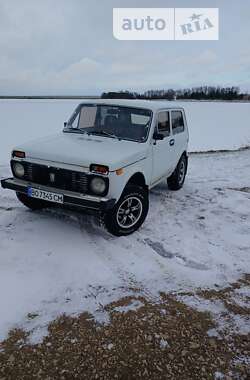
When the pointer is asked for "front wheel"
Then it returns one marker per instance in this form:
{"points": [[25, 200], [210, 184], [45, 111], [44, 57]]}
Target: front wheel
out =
{"points": [[129, 213], [176, 180]]}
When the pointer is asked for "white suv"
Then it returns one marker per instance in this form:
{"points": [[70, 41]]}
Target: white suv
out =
{"points": [[107, 158]]}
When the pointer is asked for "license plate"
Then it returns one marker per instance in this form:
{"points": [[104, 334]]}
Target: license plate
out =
{"points": [[45, 195]]}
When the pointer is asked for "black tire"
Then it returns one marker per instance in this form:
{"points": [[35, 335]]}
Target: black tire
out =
{"points": [[176, 180], [31, 203], [137, 196]]}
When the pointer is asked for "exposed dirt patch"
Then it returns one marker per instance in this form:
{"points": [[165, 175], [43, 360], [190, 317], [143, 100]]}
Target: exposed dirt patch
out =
{"points": [[167, 340], [226, 295]]}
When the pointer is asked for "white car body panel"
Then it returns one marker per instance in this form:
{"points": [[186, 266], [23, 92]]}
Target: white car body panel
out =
{"points": [[84, 150], [155, 160]]}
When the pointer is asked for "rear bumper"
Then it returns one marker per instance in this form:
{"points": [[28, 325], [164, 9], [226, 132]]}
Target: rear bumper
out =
{"points": [[71, 199]]}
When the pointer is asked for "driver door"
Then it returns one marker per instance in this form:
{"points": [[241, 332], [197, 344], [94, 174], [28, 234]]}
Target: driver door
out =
{"points": [[163, 150]]}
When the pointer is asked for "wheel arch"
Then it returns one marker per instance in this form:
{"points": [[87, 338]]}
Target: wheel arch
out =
{"points": [[137, 179], [185, 153]]}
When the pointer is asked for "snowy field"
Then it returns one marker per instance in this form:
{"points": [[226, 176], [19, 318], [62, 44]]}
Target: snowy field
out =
{"points": [[212, 126], [57, 261]]}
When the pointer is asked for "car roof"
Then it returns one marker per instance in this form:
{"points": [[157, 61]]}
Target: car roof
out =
{"points": [[153, 105]]}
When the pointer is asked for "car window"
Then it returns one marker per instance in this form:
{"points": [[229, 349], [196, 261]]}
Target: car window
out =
{"points": [[139, 119], [128, 123], [75, 122], [87, 117], [163, 123], [177, 122]]}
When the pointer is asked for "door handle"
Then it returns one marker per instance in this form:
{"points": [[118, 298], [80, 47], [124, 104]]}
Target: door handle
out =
{"points": [[171, 142]]}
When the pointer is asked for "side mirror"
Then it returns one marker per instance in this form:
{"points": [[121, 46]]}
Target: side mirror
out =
{"points": [[158, 136], [65, 124]]}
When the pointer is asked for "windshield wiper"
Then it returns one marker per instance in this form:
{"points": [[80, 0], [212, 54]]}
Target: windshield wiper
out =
{"points": [[103, 133], [73, 130]]}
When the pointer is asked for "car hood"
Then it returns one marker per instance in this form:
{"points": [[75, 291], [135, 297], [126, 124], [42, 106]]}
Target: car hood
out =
{"points": [[83, 150]]}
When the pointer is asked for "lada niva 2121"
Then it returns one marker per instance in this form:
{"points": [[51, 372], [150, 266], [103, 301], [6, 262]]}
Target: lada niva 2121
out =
{"points": [[107, 158]]}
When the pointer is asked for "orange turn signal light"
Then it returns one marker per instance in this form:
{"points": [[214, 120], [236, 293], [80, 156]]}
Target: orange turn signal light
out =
{"points": [[119, 171], [18, 153]]}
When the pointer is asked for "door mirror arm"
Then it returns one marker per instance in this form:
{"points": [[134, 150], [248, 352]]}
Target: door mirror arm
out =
{"points": [[158, 136]]}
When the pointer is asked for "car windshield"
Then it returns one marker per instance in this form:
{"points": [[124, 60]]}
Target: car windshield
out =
{"points": [[126, 123]]}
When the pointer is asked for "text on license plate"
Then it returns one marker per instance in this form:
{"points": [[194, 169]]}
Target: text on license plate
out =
{"points": [[44, 195]]}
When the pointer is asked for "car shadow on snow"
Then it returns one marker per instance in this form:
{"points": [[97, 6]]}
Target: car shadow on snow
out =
{"points": [[87, 223]]}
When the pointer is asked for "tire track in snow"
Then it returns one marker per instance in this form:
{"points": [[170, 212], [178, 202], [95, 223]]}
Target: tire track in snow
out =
{"points": [[106, 248]]}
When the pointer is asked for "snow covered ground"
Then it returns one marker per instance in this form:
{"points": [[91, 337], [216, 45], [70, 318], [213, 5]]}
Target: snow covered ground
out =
{"points": [[53, 262], [57, 261], [212, 126]]}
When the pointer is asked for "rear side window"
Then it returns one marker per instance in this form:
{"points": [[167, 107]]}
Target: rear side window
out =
{"points": [[163, 123], [177, 122]]}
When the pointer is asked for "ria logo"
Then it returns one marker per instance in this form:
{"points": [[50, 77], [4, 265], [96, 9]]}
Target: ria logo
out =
{"points": [[197, 24]]}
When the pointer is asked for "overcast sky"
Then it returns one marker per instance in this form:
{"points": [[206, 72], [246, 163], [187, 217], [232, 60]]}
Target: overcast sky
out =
{"points": [[67, 47]]}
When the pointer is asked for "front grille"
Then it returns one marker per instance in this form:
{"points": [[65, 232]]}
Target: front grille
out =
{"points": [[56, 177]]}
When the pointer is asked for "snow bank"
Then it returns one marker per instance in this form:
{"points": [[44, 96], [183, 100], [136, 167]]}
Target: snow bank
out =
{"points": [[55, 262], [218, 125], [213, 126]]}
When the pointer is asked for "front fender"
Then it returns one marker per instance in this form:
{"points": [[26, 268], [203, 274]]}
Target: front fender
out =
{"points": [[117, 183]]}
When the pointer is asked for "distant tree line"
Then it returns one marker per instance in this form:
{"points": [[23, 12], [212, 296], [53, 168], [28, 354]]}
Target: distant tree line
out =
{"points": [[195, 93], [119, 95]]}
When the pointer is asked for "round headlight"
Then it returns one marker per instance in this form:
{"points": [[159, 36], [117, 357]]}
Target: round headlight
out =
{"points": [[18, 169], [98, 185]]}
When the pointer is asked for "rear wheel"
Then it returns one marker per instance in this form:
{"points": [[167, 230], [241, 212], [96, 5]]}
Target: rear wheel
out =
{"points": [[129, 213], [31, 203], [176, 180]]}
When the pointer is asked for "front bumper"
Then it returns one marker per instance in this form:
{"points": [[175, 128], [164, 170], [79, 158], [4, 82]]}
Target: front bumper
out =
{"points": [[71, 199]]}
